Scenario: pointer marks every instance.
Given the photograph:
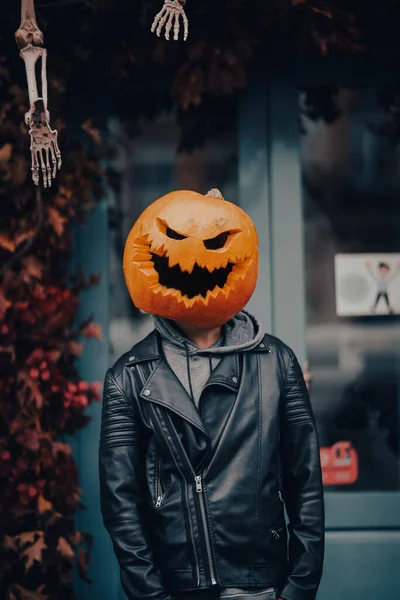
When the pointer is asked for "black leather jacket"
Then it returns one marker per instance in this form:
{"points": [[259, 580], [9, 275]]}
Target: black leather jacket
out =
{"points": [[195, 498]]}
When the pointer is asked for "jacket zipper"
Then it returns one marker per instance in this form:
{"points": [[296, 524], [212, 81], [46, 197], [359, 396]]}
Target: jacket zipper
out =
{"points": [[158, 482], [199, 490], [193, 542], [279, 467], [196, 558], [275, 533]]}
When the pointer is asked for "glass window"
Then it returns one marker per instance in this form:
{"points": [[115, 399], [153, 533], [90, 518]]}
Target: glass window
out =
{"points": [[351, 211], [149, 167]]}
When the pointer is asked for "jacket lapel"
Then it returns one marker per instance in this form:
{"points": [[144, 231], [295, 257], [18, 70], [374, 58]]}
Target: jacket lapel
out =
{"points": [[164, 388]]}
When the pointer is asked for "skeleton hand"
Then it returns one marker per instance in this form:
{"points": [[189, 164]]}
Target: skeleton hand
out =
{"points": [[43, 144], [43, 138], [171, 10]]}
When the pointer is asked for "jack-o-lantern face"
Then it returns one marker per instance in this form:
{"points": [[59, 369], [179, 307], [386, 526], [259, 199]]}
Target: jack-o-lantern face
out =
{"points": [[192, 258]]}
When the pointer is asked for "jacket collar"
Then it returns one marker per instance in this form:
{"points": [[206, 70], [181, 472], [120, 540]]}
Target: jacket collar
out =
{"points": [[150, 348], [163, 386]]}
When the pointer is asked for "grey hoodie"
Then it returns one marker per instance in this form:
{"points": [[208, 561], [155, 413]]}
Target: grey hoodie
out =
{"points": [[193, 365]]}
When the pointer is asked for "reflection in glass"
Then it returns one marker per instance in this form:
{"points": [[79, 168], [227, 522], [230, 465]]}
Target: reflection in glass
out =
{"points": [[351, 188]]}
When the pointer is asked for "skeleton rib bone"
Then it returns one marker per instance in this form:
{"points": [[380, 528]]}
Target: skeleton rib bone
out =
{"points": [[43, 139]]}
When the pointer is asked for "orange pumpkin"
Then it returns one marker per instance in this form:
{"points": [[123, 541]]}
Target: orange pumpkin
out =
{"points": [[192, 258]]}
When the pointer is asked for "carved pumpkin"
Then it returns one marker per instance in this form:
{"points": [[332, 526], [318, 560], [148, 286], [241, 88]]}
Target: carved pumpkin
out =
{"points": [[192, 258]]}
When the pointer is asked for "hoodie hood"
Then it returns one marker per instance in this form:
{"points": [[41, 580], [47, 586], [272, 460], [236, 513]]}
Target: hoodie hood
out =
{"points": [[241, 332], [193, 365]]}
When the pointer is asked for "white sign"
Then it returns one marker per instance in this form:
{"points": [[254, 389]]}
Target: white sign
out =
{"points": [[367, 284]]}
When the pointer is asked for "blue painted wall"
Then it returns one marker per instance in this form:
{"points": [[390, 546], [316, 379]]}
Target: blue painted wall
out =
{"points": [[91, 256]]}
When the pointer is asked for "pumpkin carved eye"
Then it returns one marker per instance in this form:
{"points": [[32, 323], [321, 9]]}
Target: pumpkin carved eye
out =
{"points": [[174, 234], [217, 242], [166, 230]]}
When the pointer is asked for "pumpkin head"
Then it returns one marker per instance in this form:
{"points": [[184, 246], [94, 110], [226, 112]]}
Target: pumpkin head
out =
{"points": [[192, 258]]}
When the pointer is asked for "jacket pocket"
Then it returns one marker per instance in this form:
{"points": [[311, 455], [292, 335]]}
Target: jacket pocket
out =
{"points": [[273, 547], [276, 532], [161, 481]]}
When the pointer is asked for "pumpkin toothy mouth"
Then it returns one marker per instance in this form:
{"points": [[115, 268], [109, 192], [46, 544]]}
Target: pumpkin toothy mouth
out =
{"points": [[197, 283], [191, 287]]}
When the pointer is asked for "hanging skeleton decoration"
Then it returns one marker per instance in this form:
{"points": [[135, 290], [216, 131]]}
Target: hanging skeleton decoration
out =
{"points": [[168, 15], [45, 153]]}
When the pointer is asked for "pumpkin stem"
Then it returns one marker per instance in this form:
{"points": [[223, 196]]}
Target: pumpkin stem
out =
{"points": [[214, 193]]}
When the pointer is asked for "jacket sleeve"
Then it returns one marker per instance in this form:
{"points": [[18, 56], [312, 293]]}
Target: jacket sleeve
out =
{"points": [[302, 487], [122, 497]]}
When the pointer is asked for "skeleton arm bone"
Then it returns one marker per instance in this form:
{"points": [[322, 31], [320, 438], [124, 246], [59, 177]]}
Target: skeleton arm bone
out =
{"points": [[28, 32], [44, 144]]}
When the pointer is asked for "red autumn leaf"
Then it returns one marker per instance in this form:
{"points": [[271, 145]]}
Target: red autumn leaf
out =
{"points": [[18, 423], [9, 542], [33, 266], [96, 386], [5, 153], [54, 355], [57, 221], [7, 242], [44, 504], [4, 304], [93, 132], [92, 330], [83, 561], [76, 348], [24, 594], [65, 549], [29, 382], [61, 447], [31, 544]]}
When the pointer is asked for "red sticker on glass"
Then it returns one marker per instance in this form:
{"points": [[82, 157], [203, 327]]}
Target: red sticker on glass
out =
{"points": [[339, 464]]}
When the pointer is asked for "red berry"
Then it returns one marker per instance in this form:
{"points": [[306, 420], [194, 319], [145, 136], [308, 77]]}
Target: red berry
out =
{"points": [[82, 400]]}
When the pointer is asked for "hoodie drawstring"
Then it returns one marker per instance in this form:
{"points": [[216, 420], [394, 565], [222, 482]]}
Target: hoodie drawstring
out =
{"points": [[188, 371]]}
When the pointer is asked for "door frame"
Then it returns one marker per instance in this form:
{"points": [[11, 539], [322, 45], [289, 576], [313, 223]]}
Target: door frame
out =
{"points": [[270, 191]]}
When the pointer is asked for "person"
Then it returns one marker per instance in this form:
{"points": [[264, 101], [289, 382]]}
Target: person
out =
{"points": [[382, 278], [207, 434]]}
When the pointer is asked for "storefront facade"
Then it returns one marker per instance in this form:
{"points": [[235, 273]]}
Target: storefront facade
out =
{"points": [[321, 195]]}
